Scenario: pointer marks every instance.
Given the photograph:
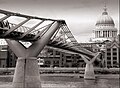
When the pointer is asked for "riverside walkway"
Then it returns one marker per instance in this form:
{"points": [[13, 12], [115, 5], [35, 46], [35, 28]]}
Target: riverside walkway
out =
{"points": [[71, 81]]}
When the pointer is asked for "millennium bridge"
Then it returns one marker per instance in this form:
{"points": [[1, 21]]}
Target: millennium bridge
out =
{"points": [[47, 32]]}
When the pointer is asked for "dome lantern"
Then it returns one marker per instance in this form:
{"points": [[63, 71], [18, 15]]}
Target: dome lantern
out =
{"points": [[105, 19]]}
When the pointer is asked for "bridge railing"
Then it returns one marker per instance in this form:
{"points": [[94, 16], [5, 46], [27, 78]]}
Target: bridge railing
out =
{"points": [[20, 29]]}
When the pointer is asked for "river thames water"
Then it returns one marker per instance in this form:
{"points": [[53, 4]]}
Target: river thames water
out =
{"points": [[67, 82]]}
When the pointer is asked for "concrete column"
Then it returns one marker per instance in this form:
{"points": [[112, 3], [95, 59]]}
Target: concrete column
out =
{"points": [[102, 34], [99, 34], [89, 71], [95, 34], [112, 34], [105, 33], [26, 73], [108, 34]]}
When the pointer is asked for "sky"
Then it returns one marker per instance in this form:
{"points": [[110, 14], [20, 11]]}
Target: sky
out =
{"points": [[80, 15]]}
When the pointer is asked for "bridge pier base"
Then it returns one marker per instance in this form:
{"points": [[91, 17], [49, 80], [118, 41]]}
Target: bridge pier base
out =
{"points": [[26, 73], [89, 71]]}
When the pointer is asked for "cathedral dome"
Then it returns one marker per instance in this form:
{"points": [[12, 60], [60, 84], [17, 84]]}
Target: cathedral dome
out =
{"points": [[105, 19], [104, 28]]}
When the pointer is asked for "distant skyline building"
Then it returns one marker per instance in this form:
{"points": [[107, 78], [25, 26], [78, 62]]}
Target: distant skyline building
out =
{"points": [[104, 28]]}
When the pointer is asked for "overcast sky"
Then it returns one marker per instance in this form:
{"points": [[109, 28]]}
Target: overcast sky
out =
{"points": [[80, 15]]}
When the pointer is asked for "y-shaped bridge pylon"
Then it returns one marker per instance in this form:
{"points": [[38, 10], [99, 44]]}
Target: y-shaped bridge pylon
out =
{"points": [[27, 72], [89, 69]]}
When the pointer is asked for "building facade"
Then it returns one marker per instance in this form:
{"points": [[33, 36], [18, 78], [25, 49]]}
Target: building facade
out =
{"points": [[112, 54], [7, 57], [3, 56], [50, 57], [11, 58]]}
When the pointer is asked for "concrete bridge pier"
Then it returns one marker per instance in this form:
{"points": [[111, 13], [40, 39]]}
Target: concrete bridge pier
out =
{"points": [[27, 72], [89, 69]]}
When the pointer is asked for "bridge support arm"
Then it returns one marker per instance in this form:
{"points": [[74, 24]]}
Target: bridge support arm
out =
{"points": [[16, 47], [27, 71], [37, 46]]}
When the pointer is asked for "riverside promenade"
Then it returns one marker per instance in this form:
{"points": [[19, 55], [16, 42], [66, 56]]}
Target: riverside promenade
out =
{"points": [[69, 81]]}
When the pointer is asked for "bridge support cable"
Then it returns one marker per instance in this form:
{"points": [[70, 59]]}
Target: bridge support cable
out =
{"points": [[54, 36], [27, 72], [40, 34], [64, 45], [39, 29], [69, 34], [60, 42], [89, 69], [17, 26], [31, 29]]}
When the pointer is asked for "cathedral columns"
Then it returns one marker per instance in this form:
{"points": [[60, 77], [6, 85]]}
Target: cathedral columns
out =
{"points": [[108, 34]]}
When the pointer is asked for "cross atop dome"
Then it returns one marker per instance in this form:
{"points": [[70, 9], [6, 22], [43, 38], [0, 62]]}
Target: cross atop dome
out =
{"points": [[105, 10]]}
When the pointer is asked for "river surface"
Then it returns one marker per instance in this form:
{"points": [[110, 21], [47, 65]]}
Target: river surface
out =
{"points": [[67, 82]]}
